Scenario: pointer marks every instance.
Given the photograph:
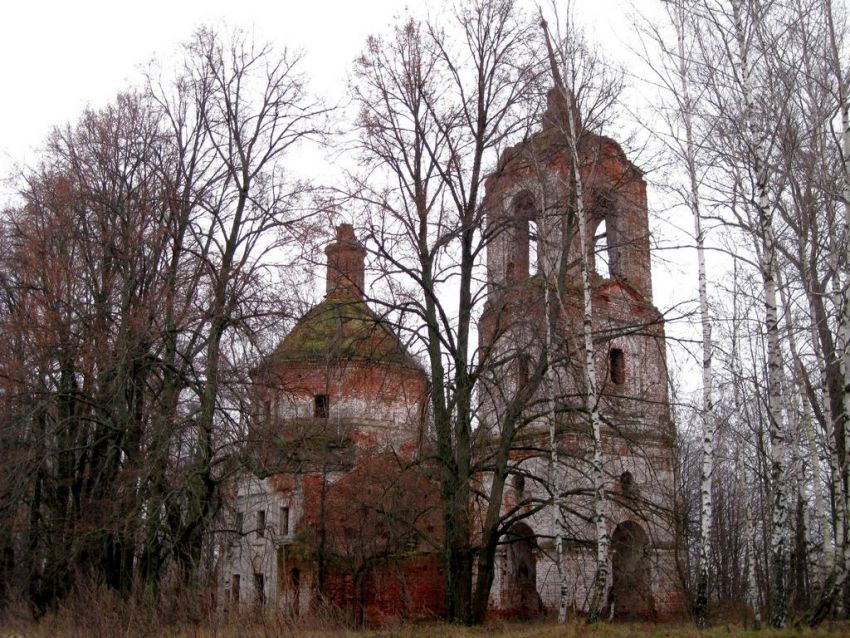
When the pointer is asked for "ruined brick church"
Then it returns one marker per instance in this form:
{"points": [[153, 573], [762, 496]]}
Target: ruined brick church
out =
{"points": [[342, 409]]}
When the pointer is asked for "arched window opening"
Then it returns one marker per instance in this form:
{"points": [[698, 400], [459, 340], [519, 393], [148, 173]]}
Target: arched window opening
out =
{"points": [[524, 252], [601, 256], [520, 580], [617, 366], [631, 571], [533, 248]]}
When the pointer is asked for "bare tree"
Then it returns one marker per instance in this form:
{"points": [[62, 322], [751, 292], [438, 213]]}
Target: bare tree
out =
{"points": [[138, 272], [434, 111]]}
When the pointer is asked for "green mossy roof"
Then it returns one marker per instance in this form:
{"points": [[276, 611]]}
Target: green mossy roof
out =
{"points": [[341, 330]]}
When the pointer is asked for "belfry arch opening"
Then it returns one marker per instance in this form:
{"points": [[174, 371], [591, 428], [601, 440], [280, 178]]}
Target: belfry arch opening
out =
{"points": [[533, 245], [601, 257], [607, 251], [525, 254]]}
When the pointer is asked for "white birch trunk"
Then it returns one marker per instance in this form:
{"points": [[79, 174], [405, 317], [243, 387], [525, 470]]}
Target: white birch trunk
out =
{"points": [[841, 293], [707, 412], [842, 498], [752, 583], [845, 313], [822, 515], [741, 470], [824, 522], [767, 266], [837, 527], [840, 474], [559, 523], [553, 309], [552, 281], [749, 540], [589, 364], [591, 385]]}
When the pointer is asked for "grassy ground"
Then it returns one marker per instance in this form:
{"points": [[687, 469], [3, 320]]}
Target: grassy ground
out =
{"points": [[602, 630], [96, 626]]}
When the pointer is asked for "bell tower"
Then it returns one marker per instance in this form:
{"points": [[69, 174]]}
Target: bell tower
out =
{"points": [[530, 207]]}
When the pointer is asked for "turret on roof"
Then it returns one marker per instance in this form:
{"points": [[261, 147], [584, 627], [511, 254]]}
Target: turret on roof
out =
{"points": [[342, 327]]}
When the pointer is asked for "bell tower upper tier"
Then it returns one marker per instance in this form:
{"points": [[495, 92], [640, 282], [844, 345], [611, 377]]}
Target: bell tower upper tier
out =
{"points": [[530, 203]]}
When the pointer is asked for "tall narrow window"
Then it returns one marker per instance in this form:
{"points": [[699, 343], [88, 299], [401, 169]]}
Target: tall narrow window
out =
{"points": [[522, 365], [260, 588], [533, 248], [284, 521], [294, 597], [234, 588], [321, 406], [617, 366], [261, 523], [524, 253], [237, 523], [519, 484], [601, 258]]}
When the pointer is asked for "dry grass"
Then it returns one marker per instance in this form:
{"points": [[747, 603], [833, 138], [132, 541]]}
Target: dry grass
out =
{"points": [[578, 629], [97, 612], [101, 623]]}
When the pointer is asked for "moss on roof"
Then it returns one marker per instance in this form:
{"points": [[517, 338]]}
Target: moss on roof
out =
{"points": [[342, 329]]}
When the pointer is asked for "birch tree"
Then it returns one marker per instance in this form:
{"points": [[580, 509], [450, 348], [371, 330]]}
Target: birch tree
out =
{"points": [[585, 75], [741, 28], [684, 147]]}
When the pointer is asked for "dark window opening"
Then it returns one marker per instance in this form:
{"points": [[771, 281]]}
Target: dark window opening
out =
{"points": [[284, 521], [617, 366], [519, 484], [261, 523], [237, 523], [522, 364], [260, 588], [321, 406], [524, 252], [294, 578], [234, 588]]}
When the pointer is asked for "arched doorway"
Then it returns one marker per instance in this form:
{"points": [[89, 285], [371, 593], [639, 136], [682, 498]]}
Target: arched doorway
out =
{"points": [[631, 590], [520, 583]]}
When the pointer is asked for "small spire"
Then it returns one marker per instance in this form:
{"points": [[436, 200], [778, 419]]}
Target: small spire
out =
{"points": [[562, 102], [345, 270], [553, 64]]}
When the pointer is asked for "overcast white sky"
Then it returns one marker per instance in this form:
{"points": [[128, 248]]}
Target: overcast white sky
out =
{"points": [[57, 58]]}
